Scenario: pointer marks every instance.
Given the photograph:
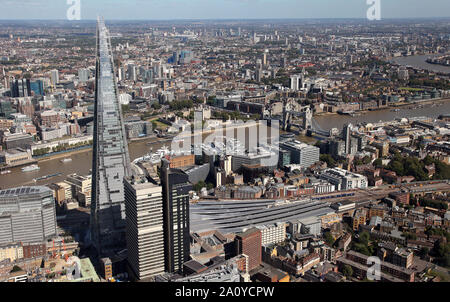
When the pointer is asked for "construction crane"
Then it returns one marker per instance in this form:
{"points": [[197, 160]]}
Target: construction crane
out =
{"points": [[53, 249], [66, 256]]}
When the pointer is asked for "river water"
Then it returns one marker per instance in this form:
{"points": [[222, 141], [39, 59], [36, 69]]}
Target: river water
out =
{"points": [[327, 122], [81, 162], [420, 63]]}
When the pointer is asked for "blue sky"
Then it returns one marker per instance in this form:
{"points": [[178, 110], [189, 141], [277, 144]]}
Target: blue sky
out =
{"points": [[221, 9]]}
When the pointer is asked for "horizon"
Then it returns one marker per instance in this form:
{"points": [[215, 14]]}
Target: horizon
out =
{"points": [[238, 19], [167, 10]]}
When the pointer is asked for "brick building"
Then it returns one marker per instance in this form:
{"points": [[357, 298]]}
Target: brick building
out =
{"points": [[249, 243]]}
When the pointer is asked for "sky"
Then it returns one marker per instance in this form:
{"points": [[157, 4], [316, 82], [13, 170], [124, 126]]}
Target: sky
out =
{"points": [[220, 9]]}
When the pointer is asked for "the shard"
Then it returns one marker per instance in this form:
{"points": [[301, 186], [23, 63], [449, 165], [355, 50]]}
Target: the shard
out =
{"points": [[110, 161]]}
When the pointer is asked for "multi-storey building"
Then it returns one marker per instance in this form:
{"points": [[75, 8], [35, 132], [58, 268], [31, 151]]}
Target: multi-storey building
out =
{"points": [[302, 154], [377, 210], [182, 161], [272, 233], [17, 140], [49, 118], [249, 243], [359, 218], [402, 273], [83, 74], [81, 188], [110, 154], [11, 251], [145, 236], [175, 191], [27, 214], [344, 180]]}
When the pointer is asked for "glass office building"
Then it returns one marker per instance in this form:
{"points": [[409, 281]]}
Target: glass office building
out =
{"points": [[110, 157], [27, 215]]}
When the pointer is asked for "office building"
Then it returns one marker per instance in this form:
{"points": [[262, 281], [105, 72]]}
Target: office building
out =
{"points": [[54, 76], [110, 154], [145, 236], [176, 189], [20, 88], [254, 159], [6, 109], [249, 243], [27, 214], [131, 72], [17, 140], [272, 233], [344, 180], [25, 88], [403, 73], [284, 158], [302, 154], [83, 74], [346, 135], [11, 251], [26, 107], [297, 82], [37, 87], [81, 188]]}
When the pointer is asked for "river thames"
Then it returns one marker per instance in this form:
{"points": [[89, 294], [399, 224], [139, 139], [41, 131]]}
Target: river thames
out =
{"points": [[419, 62], [82, 162]]}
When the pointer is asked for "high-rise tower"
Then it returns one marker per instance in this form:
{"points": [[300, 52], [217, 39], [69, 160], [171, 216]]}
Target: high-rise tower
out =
{"points": [[145, 235], [110, 163], [346, 135], [175, 193]]}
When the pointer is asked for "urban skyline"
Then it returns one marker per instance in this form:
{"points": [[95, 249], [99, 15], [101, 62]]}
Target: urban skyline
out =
{"points": [[222, 9]]}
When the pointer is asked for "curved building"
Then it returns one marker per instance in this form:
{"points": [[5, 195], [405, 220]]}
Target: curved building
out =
{"points": [[27, 215]]}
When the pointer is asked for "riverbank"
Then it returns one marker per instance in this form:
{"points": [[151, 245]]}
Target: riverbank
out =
{"points": [[394, 106], [64, 154], [329, 122]]}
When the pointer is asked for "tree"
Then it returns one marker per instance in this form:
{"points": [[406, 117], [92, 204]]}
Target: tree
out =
{"points": [[156, 106], [16, 269], [198, 186], [361, 248], [397, 167], [125, 108], [364, 238], [347, 271], [328, 159], [424, 252], [179, 105], [328, 238], [378, 163]]}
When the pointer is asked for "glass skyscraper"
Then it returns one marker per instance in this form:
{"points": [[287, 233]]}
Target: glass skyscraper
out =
{"points": [[110, 157]]}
